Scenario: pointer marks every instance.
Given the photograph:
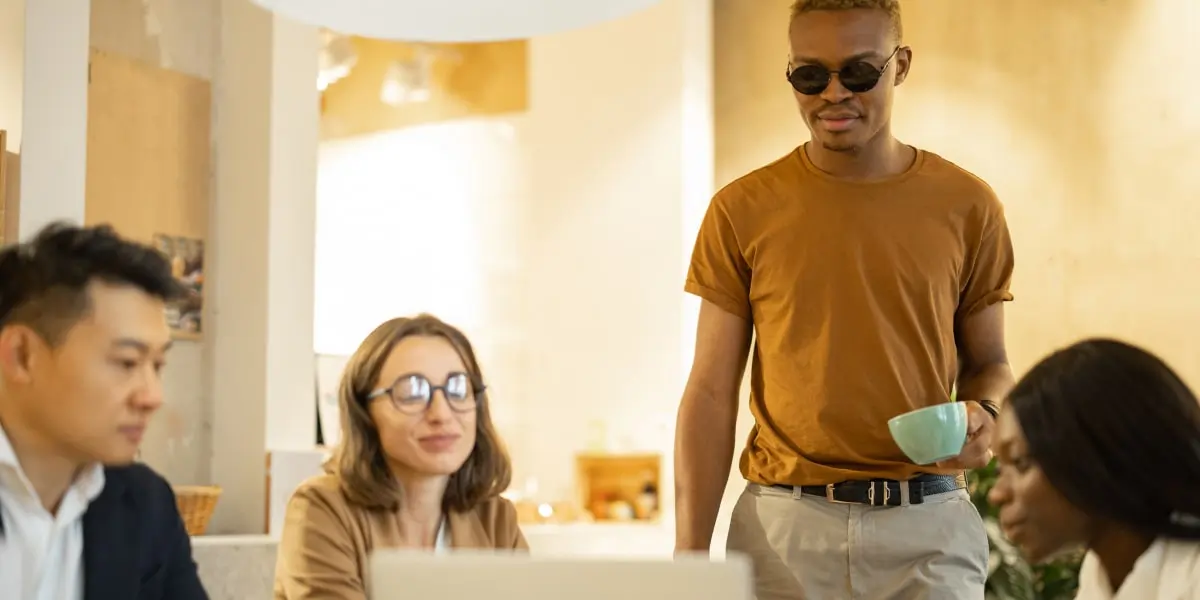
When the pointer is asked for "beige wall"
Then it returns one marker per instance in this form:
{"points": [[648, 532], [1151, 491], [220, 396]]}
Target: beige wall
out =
{"points": [[12, 68], [173, 34], [177, 35], [1078, 114], [613, 188]]}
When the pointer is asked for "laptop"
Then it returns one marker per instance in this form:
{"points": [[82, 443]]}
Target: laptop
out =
{"points": [[405, 575]]}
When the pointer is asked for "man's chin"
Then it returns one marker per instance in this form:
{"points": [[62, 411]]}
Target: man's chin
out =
{"points": [[118, 458], [836, 144]]}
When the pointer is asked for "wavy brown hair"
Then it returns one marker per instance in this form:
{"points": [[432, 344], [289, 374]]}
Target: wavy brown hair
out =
{"points": [[359, 460]]}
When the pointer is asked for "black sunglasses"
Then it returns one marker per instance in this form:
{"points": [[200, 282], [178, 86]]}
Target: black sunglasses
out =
{"points": [[858, 76]]}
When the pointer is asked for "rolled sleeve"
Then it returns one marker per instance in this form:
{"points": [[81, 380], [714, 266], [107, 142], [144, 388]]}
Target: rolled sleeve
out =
{"points": [[991, 271], [719, 272]]}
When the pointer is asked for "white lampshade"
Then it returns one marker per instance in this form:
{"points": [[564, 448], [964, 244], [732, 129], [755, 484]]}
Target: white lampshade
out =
{"points": [[453, 20]]}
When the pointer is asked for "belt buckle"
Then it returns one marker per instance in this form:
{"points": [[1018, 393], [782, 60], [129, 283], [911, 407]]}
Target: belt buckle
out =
{"points": [[831, 499], [887, 494]]}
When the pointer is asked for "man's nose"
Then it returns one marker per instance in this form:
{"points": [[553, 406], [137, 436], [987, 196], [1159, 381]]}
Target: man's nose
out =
{"points": [[835, 92], [149, 396]]}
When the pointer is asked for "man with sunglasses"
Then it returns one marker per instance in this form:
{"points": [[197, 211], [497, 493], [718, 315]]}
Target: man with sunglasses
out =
{"points": [[873, 275]]}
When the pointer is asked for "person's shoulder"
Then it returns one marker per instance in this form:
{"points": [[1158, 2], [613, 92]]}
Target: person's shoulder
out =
{"points": [[1092, 581], [760, 183], [319, 503], [960, 184], [497, 507], [139, 488], [1181, 559], [325, 489], [139, 481], [498, 515]]}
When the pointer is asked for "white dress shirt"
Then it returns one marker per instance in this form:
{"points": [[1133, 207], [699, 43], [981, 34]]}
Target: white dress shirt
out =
{"points": [[1168, 570], [41, 554]]}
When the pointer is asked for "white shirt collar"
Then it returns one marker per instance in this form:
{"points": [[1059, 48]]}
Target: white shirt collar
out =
{"points": [[88, 484]]}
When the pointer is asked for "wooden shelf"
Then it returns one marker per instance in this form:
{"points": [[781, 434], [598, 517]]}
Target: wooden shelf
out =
{"points": [[3, 181], [619, 487]]}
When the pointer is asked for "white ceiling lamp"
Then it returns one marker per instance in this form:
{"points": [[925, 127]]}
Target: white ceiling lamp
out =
{"points": [[454, 20]]}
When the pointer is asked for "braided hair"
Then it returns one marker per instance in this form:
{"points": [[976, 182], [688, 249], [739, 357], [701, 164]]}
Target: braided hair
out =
{"points": [[1117, 432]]}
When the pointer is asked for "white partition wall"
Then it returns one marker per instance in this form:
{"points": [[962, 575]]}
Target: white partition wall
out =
{"points": [[260, 362], [54, 112]]}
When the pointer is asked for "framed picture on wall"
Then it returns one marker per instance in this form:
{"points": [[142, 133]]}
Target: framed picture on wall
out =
{"points": [[185, 316]]}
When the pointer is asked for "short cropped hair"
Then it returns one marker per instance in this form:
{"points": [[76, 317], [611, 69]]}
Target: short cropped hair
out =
{"points": [[891, 7], [359, 461], [44, 281]]}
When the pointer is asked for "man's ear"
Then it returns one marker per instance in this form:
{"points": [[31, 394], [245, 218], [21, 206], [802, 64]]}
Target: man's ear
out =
{"points": [[17, 345], [903, 64]]}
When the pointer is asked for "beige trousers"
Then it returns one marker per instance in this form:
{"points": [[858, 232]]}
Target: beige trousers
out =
{"points": [[807, 548]]}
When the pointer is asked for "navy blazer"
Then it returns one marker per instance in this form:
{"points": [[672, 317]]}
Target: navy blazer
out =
{"points": [[135, 546]]}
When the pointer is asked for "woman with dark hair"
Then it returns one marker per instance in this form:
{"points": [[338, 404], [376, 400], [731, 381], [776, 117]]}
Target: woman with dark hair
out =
{"points": [[420, 465], [1099, 446]]}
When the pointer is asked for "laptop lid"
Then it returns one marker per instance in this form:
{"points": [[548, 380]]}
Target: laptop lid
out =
{"points": [[404, 575]]}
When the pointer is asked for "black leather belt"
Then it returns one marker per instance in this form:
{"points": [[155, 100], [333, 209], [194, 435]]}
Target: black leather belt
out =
{"points": [[880, 492]]}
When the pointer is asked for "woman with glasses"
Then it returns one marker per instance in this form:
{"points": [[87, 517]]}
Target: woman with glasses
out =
{"points": [[1099, 447], [420, 465]]}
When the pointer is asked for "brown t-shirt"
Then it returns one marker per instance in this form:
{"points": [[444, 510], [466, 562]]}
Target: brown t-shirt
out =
{"points": [[854, 290]]}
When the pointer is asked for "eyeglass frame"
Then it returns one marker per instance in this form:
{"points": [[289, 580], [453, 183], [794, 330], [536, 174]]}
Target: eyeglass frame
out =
{"points": [[829, 73], [477, 390]]}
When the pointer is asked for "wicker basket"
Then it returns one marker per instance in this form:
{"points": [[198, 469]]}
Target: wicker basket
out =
{"points": [[196, 504]]}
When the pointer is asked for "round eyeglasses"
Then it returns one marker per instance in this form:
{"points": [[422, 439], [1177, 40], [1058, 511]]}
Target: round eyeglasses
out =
{"points": [[412, 393], [858, 76]]}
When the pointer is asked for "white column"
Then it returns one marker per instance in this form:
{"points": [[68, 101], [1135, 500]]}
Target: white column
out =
{"points": [[261, 277], [295, 136], [54, 113]]}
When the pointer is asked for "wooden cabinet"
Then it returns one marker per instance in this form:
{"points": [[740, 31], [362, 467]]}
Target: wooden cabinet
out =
{"points": [[10, 188], [3, 185], [149, 167], [619, 487]]}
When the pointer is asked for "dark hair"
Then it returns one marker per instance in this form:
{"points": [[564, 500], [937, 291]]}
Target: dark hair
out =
{"points": [[1117, 432], [44, 281], [359, 460]]}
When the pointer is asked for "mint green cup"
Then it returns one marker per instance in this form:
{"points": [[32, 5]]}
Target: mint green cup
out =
{"points": [[931, 434]]}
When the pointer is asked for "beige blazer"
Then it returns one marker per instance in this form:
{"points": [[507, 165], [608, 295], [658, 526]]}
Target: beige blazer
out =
{"points": [[326, 540]]}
